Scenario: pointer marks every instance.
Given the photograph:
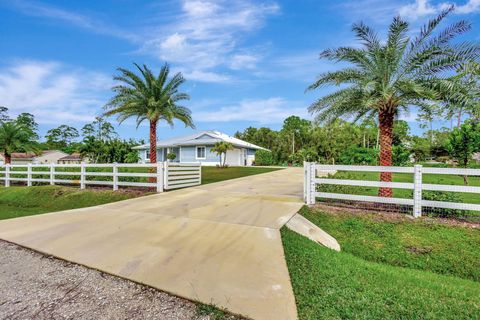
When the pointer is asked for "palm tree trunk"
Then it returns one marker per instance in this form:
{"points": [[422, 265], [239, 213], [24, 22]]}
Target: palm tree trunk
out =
{"points": [[153, 148], [386, 136]]}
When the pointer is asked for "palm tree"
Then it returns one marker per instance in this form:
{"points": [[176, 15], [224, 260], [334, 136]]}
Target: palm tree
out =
{"points": [[146, 97], [15, 137], [221, 148], [386, 78]]}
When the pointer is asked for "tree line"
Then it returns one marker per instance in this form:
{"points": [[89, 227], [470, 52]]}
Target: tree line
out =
{"points": [[343, 142], [96, 141]]}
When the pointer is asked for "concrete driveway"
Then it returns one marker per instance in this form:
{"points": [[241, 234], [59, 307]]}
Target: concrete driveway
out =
{"points": [[218, 243]]}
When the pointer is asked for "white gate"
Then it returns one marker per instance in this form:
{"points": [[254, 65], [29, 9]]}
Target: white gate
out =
{"points": [[181, 175]]}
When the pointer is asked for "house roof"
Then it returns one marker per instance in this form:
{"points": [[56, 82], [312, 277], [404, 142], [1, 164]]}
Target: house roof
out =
{"points": [[73, 156], [211, 137], [29, 155]]}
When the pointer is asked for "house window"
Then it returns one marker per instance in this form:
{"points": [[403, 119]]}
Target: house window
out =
{"points": [[147, 155], [201, 152]]}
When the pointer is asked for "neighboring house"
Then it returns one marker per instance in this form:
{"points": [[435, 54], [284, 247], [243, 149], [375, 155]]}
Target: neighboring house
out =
{"points": [[74, 158], [476, 157], [46, 156], [197, 148]]}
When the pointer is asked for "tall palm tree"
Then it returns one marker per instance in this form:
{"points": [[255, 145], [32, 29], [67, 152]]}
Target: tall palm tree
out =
{"points": [[16, 137], [146, 97], [386, 78]]}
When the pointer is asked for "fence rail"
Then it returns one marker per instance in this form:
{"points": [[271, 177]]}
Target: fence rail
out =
{"points": [[311, 182], [165, 175]]}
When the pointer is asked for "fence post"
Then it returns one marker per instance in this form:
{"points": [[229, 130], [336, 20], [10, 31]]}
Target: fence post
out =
{"points": [[306, 175], [82, 175], [165, 174], [160, 175], [417, 191], [29, 175], [115, 176], [312, 187], [7, 175], [52, 173], [200, 172]]}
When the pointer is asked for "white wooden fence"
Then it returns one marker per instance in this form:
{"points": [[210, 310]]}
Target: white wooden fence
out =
{"points": [[167, 175], [311, 182]]}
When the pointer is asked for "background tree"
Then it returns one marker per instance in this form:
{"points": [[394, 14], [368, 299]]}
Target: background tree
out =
{"points": [[61, 137], [99, 128], [387, 77], [295, 129], [4, 114], [28, 120], [463, 142], [146, 97], [221, 148], [16, 137]]}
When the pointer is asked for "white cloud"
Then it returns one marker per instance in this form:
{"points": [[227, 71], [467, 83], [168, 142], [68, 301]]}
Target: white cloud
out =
{"points": [[202, 36], [206, 76], [38, 9], [271, 110], [421, 8], [243, 61], [208, 34], [53, 92]]}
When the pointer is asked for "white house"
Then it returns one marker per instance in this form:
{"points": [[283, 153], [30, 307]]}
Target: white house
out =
{"points": [[197, 148]]}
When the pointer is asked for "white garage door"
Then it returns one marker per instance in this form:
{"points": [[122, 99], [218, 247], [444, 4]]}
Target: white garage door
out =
{"points": [[233, 157]]}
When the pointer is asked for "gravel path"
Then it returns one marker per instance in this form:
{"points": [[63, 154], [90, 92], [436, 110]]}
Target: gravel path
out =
{"points": [[34, 286]]}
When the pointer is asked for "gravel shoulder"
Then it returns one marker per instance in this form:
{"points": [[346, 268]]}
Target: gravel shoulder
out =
{"points": [[35, 286]]}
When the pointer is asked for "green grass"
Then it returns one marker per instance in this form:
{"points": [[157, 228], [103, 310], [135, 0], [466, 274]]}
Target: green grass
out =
{"points": [[418, 244], [214, 174], [406, 177], [339, 285], [24, 201]]}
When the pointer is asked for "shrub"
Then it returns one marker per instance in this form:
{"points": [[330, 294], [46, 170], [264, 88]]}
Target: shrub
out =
{"points": [[359, 155], [263, 158], [171, 156], [443, 196], [400, 155]]}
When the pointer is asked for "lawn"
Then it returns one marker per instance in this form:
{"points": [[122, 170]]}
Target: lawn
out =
{"points": [[401, 241], [365, 280], [214, 174], [403, 177], [25, 201]]}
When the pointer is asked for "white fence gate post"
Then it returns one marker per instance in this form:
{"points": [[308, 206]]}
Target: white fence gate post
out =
{"points": [[52, 174], [115, 176], [7, 175], [160, 175], [29, 175], [82, 175], [313, 189], [165, 174], [417, 191], [306, 184], [309, 183]]}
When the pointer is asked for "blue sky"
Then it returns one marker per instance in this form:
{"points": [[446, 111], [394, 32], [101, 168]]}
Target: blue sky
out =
{"points": [[247, 62]]}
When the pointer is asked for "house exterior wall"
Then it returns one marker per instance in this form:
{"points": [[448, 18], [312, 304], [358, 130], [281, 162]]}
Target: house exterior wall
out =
{"points": [[143, 155], [235, 157], [50, 157]]}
